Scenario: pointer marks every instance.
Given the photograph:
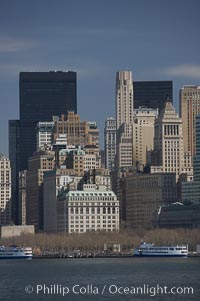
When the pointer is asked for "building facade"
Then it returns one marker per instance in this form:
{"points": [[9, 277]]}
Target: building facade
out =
{"points": [[124, 98], [178, 215], [14, 157], [5, 191], [142, 194], [42, 95], [45, 134], [78, 132], [189, 107], [89, 210], [110, 142], [191, 190], [22, 197], [152, 94], [143, 134], [41, 161], [168, 144]]}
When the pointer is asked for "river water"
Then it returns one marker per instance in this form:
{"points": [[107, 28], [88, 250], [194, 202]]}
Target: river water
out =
{"points": [[113, 279]]}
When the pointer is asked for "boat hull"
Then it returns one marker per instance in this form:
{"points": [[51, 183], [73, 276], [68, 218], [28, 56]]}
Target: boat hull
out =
{"points": [[144, 255], [15, 257]]}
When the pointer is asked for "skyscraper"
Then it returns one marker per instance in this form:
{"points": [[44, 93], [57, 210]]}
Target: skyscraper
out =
{"points": [[14, 156], [5, 191], [168, 143], [152, 94], [110, 142], [191, 190], [189, 103], [143, 134], [124, 119], [42, 95], [124, 98], [197, 156]]}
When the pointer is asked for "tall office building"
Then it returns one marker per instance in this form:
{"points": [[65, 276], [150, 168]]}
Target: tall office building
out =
{"points": [[14, 156], [143, 134], [191, 190], [124, 119], [110, 142], [44, 134], [152, 94], [124, 147], [189, 103], [42, 95], [5, 190], [142, 194], [78, 132], [124, 98], [168, 144], [39, 163], [197, 156]]}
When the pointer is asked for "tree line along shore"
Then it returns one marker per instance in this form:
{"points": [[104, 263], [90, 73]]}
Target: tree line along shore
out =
{"points": [[96, 242]]}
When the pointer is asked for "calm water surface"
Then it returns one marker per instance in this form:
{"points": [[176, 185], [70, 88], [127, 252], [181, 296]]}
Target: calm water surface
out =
{"points": [[15, 275]]}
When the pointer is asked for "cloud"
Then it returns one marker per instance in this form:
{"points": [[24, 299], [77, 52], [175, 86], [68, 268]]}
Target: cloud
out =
{"points": [[13, 70], [185, 70], [8, 44], [85, 68]]}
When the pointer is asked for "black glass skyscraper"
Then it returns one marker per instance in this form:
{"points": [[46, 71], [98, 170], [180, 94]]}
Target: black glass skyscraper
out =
{"points": [[42, 95], [152, 94]]}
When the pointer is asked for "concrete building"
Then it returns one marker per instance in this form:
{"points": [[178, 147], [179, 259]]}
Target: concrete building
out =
{"points": [[94, 133], [14, 157], [124, 98], [142, 194], [168, 155], [88, 210], [45, 134], [12, 231], [189, 107], [100, 177], [22, 197], [191, 190], [124, 148], [78, 132], [79, 159], [152, 94], [110, 142], [124, 119], [197, 156], [143, 134], [37, 165], [5, 190]]}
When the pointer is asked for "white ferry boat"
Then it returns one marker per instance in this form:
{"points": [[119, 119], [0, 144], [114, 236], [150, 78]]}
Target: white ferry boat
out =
{"points": [[162, 251], [15, 253]]}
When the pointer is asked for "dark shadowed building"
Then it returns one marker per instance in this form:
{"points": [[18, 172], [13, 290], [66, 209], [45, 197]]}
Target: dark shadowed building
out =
{"points": [[152, 94]]}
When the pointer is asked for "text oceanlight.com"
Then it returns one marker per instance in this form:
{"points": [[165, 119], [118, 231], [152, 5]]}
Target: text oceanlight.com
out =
{"points": [[111, 289]]}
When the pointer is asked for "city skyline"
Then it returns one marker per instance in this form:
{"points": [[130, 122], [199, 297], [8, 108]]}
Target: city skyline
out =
{"points": [[145, 38]]}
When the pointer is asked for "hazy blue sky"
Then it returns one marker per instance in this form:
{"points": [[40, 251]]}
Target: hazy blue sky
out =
{"points": [[155, 39]]}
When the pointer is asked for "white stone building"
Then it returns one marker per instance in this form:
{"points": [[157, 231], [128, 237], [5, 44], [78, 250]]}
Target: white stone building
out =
{"points": [[88, 210], [5, 190], [44, 134], [168, 144], [110, 142], [143, 134], [124, 98]]}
